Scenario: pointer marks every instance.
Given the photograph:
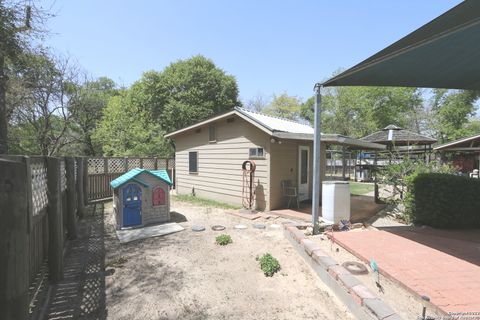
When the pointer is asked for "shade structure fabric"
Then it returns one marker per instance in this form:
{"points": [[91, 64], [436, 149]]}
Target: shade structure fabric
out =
{"points": [[444, 53]]}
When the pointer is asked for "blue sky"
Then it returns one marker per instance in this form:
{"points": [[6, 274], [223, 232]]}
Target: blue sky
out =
{"points": [[270, 47]]}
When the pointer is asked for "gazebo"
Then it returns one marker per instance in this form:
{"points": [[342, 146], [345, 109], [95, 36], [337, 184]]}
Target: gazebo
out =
{"points": [[393, 136]]}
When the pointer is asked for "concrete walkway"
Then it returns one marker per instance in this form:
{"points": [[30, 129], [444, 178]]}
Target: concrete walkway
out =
{"points": [[444, 265]]}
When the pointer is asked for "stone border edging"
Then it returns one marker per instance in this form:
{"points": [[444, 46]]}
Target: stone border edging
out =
{"points": [[360, 300]]}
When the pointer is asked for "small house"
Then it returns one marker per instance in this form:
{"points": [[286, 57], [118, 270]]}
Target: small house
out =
{"points": [[210, 154], [141, 197]]}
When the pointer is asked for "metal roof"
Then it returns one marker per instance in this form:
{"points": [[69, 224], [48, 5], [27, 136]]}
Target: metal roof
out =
{"points": [[276, 123], [132, 176], [464, 143], [444, 53], [393, 134], [335, 139]]}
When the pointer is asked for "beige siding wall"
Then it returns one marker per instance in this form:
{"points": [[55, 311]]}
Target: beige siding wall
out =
{"points": [[284, 166], [219, 174]]}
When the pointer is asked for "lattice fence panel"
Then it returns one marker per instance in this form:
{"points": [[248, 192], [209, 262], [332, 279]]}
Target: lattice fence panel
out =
{"points": [[116, 165], [39, 185], [133, 163], [171, 164], [149, 163], [63, 176], [96, 165], [161, 164]]}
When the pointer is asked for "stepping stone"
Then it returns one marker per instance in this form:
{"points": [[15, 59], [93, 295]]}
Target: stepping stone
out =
{"points": [[198, 228], [218, 227], [240, 227], [259, 226], [275, 226]]}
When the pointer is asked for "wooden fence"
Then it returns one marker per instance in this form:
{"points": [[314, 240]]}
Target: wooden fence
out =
{"points": [[42, 198], [101, 171]]}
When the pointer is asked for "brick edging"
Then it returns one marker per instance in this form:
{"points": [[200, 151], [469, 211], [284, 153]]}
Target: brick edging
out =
{"points": [[361, 301]]}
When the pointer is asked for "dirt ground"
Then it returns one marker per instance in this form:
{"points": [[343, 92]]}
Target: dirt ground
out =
{"points": [[405, 304], [187, 276]]}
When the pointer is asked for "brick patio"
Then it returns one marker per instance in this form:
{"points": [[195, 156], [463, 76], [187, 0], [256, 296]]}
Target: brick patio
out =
{"points": [[444, 265]]}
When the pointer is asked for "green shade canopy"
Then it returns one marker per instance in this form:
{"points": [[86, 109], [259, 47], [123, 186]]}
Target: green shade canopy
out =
{"points": [[444, 53]]}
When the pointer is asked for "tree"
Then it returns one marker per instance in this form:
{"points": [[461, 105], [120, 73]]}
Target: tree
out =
{"points": [[185, 92], [284, 106], [87, 110], [127, 129], [15, 18], [451, 113], [358, 111], [257, 103], [39, 96]]}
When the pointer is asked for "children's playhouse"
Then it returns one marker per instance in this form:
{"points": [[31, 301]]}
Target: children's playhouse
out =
{"points": [[141, 197]]}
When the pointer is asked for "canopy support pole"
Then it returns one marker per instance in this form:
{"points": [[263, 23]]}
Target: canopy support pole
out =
{"points": [[316, 159]]}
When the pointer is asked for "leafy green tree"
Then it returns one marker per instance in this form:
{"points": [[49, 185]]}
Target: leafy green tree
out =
{"points": [[87, 110], [126, 129], [452, 111], [284, 106], [185, 92]]}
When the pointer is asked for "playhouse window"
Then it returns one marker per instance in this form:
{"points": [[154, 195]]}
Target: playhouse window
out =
{"points": [[193, 162], [158, 196]]}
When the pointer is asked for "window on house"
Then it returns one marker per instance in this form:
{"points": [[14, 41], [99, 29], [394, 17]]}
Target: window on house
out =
{"points": [[256, 153], [158, 197], [212, 134], [193, 162]]}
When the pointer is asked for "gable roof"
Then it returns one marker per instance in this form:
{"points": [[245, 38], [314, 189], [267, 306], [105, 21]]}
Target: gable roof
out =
{"points": [[283, 129], [466, 143], [132, 175], [393, 134], [264, 122]]}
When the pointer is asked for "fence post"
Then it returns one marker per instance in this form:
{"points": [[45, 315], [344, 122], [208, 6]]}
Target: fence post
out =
{"points": [[156, 163], [71, 199], [55, 220], [126, 164], [14, 241], [80, 190], [85, 181]]}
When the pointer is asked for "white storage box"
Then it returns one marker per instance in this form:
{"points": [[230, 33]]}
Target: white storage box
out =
{"points": [[336, 200]]}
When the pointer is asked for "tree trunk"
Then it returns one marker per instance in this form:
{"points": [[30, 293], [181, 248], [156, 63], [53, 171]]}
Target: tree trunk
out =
{"points": [[3, 108]]}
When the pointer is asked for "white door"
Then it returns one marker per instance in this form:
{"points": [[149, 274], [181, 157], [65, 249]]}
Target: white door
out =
{"points": [[303, 172]]}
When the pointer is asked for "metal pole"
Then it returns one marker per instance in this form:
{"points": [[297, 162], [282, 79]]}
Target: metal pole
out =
{"points": [[316, 159]]}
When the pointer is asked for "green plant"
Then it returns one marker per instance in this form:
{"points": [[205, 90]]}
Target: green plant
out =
{"points": [[203, 202], [269, 264], [223, 239], [444, 200]]}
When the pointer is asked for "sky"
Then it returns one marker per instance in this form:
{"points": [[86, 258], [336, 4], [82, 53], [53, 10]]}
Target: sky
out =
{"points": [[271, 47]]}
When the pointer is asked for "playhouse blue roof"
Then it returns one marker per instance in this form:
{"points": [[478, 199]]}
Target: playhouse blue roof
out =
{"points": [[132, 174]]}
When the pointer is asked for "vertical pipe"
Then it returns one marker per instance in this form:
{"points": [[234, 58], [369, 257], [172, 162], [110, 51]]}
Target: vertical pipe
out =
{"points": [[316, 159]]}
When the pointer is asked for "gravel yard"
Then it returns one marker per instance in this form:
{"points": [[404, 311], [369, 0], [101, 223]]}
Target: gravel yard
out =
{"points": [[187, 276]]}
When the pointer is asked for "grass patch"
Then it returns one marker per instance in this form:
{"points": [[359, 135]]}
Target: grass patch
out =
{"points": [[269, 264], [360, 188], [203, 202], [223, 239]]}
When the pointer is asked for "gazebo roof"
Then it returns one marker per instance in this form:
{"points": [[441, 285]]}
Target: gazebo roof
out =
{"points": [[394, 135]]}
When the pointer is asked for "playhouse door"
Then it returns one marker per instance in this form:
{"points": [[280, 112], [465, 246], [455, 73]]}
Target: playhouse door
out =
{"points": [[132, 205]]}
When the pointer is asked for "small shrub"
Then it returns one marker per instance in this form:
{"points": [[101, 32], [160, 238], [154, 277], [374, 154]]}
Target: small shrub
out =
{"points": [[269, 264], [223, 239]]}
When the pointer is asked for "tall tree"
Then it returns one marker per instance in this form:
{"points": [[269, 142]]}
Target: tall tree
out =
{"points": [[15, 19], [284, 106], [185, 92], [40, 92], [87, 109], [451, 113], [127, 129], [258, 103]]}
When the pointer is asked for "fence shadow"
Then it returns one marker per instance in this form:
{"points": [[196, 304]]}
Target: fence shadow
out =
{"points": [[81, 294]]}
